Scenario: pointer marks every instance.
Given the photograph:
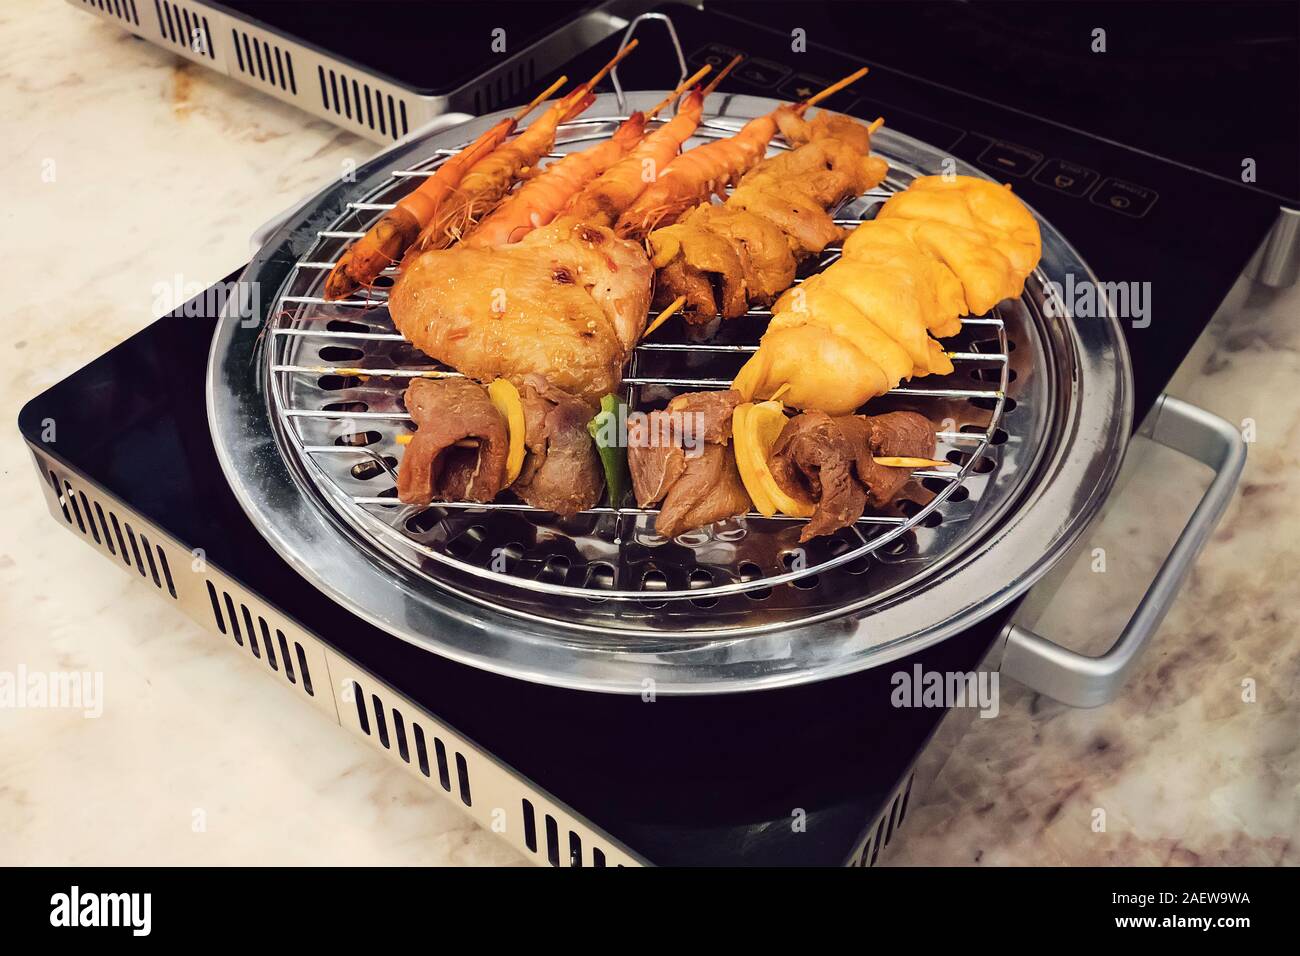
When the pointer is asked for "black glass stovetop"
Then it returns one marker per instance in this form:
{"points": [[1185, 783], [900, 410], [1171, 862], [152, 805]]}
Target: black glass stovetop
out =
{"points": [[1134, 217], [691, 780]]}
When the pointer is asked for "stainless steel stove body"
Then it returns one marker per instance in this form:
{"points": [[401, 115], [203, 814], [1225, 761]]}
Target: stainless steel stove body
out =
{"points": [[505, 687]]}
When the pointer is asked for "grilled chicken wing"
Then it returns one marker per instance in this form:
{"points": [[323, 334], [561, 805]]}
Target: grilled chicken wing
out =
{"points": [[568, 303]]}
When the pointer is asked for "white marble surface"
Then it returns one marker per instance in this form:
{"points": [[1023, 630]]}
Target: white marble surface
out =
{"points": [[161, 170]]}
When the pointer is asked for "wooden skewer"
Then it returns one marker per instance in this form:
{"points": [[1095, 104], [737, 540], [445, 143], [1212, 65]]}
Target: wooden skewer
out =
{"points": [[685, 85], [665, 315], [833, 88], [406, 438], [713, 84], [890, 462], [542, 98], [591, 83]]}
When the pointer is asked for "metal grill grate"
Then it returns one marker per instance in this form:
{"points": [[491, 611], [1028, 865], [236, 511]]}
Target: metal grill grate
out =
{"points": [[335, 373]]}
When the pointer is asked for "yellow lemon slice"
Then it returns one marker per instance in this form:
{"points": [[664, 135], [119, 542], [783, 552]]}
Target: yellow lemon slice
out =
{"points": [[506, 398], [755, 429]]}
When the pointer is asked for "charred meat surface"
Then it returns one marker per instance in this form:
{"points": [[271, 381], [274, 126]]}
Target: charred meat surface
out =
{"points": [[830, 459], [460, 446], [684, 461], [561, 470]]}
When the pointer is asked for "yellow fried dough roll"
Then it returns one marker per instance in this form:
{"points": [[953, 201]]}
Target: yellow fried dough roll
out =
{"points": [[843, 373], [941, 249], [837, 314], [892, 243]]}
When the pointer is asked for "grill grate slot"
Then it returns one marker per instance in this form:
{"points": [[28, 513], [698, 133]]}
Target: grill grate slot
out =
{"points": [[181, 28], [261, 60], [373, 718], [886, 827], [346, 96]]}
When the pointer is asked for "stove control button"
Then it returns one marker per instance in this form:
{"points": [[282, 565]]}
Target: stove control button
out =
{"points": [[716, 55], [1066, 177], [762, 73], [801, 86], [1127, 198], [1010, 158]]}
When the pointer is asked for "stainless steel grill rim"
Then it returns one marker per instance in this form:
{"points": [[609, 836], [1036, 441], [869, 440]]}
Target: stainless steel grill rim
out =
{"points": [[296, 243]]}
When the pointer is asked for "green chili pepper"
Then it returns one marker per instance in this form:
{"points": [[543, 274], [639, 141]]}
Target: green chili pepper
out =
{"points": [[604, 431]]}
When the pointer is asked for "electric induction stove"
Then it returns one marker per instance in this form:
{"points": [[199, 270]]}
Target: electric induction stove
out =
{"points": [[819, 774]]}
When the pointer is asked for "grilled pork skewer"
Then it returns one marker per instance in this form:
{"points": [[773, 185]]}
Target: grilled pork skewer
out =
{"points": [[726, 259], [717, 465], [699, 173]]}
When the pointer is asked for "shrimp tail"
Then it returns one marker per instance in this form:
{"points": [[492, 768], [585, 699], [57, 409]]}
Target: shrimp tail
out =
{"points": [[399, 228]]}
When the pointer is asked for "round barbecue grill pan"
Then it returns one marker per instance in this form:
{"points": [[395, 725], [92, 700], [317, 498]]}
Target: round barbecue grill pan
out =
{"points": [[304, 402]]}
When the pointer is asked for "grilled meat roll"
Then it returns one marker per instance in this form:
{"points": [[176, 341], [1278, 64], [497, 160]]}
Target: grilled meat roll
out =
{"points": [[449, 411], [829, 460], [694, 472], [461, 448], [561, 470]]}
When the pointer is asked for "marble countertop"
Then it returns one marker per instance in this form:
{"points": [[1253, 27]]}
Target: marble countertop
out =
{"points": [[128, 170]]}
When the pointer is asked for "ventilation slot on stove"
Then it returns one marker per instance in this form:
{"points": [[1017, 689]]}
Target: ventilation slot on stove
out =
{"points": [[400, 732], [552, 845], [181, 28], [269, 645], [267, 62], [886, 827], [102, 527], [354, 100], [124, 10], [501, 89]]}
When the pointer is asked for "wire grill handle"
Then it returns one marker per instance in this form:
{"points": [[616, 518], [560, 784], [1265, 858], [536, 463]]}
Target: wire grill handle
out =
{"points": [[677, 48], [1082, 681]]}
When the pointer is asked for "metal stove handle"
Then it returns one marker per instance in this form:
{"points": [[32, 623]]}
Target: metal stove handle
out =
{"points": [[1082, 681]]}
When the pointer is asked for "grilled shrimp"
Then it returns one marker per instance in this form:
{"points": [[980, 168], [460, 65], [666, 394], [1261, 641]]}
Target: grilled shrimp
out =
{"points": [[540, 200], [697, 174], [603, 199], [491, 178], [392, 235]]}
